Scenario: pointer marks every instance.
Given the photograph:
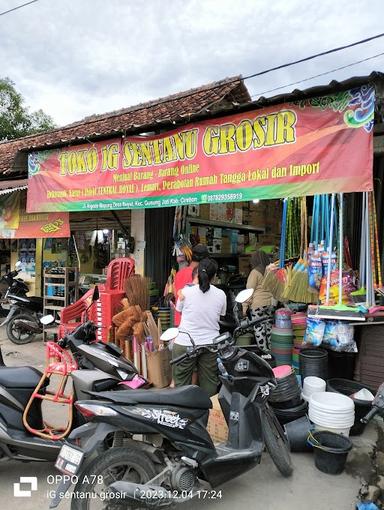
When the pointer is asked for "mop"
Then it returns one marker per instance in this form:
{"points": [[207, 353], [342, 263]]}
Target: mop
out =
{"points": [[339, 311]]}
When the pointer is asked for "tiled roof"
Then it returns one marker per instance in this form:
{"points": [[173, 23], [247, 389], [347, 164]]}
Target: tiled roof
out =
{"points": [[177, 108]]}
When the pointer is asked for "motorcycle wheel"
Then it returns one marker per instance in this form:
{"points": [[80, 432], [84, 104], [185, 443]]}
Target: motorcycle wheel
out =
{"points": [[131, 465], [15, 334], [276, 442]]}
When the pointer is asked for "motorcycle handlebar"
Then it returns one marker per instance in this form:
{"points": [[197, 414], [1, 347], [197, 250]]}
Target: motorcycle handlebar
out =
{"points": [[193, 352], [368, 417]]}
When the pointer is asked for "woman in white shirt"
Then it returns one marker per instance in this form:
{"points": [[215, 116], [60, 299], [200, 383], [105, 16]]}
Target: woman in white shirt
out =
{"points": [[201, 306]]}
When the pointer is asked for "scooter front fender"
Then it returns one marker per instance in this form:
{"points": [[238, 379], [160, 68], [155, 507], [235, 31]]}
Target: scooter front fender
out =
{"points": [[90, 436], [14, 310]]}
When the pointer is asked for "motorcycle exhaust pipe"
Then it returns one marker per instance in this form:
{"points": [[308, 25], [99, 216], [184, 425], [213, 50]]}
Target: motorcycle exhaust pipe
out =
{"points": [[135, 494], [28, 326]]}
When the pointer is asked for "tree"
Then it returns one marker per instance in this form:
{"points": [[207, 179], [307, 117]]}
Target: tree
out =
{"points": [[15, 118]]}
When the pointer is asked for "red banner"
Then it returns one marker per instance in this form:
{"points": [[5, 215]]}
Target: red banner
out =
{"points": [[40, 225], [308, 147]]}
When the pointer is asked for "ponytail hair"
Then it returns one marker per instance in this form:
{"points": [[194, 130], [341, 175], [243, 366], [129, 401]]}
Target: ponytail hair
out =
{"points": [[206, 272]]}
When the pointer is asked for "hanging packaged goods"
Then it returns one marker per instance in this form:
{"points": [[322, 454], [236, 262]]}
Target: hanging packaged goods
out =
{"points": [[310, 146]]}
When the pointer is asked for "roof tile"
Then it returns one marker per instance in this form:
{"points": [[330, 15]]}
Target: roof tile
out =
{"points": [[176, 107]]}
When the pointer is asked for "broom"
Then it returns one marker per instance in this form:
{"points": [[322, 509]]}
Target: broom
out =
{"points": [[136, 290], [339, 311], [274, 281]]}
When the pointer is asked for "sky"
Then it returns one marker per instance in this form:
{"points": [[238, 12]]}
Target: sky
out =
{"points": [[74, 58]]}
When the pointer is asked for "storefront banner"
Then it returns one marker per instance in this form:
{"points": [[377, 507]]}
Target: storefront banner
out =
{"points": [[311, 146], [10, 211], [43, 225]]}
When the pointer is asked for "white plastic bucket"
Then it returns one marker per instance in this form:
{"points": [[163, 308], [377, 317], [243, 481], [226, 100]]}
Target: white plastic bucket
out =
{"points": [[313, 385], [332, 411]]}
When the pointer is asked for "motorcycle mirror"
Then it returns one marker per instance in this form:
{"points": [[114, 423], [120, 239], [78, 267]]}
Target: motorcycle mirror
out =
{"points": [[169, 334], [96, 294], [18, 266], [47, 319], [244, 295]]}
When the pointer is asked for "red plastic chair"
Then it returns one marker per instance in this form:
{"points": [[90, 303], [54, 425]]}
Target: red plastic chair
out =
{"points": [[111, 294]]}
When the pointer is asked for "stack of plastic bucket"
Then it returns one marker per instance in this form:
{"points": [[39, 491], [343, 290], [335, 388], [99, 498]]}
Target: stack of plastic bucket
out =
{"points": [[332, 411], [282, 338], [299, 324]]}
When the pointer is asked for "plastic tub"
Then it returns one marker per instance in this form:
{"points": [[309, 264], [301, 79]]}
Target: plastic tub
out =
{"points": [[287, 415], [297, 432], [282, 371], [347, 387], [287, 392], [330, 451], [341, 364], [332, 411], [313, 385]]}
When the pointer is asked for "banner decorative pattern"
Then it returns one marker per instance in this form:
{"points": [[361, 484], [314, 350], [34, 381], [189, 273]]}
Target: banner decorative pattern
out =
{"points": [[307, 147]]}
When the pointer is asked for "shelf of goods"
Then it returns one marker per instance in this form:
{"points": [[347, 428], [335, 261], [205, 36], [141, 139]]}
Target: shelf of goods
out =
{"points": [[60, 289]]}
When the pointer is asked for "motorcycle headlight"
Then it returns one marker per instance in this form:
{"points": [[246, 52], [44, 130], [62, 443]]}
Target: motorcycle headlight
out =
{"points": [[122, 374]]}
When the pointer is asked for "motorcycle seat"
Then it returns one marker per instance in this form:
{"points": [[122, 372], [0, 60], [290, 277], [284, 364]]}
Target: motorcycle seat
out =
{"points": [[184, 396], [19, 377]]}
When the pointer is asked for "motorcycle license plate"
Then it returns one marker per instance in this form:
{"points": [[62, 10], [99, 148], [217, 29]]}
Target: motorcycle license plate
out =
{"points": [[69, 459]]}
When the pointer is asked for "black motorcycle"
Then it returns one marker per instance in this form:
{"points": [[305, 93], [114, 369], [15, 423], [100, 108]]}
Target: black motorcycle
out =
{"points": [[163, 453], [25, 312], [10, 284]]}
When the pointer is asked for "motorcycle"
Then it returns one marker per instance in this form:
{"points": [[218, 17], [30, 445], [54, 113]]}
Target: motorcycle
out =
{"points": [[23, 318], [99, 368], [9, 284], [377, 406], [162, 452], [235, 315]]}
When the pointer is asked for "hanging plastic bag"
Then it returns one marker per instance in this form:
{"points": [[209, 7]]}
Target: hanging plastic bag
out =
{"points": [[330, 334], [339, 336], [314, 332]]}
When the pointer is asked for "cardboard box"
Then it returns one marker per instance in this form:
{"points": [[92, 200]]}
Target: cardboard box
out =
{"points": [[214, 212], [204, 211], [226, 245], [244, 264], [238, 216], [217, 426], [159, 368]]}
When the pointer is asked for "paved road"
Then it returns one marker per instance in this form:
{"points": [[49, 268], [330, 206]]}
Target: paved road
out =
{"points": [[262, 488]]}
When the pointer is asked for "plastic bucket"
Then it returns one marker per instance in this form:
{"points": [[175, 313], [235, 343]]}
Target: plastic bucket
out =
{"points": [[313, 385], [332, 411], [330, 450], [347, 387], [297, 432], [341, 364], [291, 414], [287, 392], [313, 362]]}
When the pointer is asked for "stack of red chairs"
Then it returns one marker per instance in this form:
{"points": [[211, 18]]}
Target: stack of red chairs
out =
{"points": [[101, 313]]}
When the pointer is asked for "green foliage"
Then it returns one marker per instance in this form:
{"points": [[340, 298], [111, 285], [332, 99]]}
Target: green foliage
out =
{"points": [[15, 118]]}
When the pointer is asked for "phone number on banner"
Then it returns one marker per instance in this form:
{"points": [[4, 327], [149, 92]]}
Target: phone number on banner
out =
{"points": [[224, 197]]}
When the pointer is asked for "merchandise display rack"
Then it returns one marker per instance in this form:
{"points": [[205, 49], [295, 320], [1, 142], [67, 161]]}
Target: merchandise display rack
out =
{"points": [[60, 290]]}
